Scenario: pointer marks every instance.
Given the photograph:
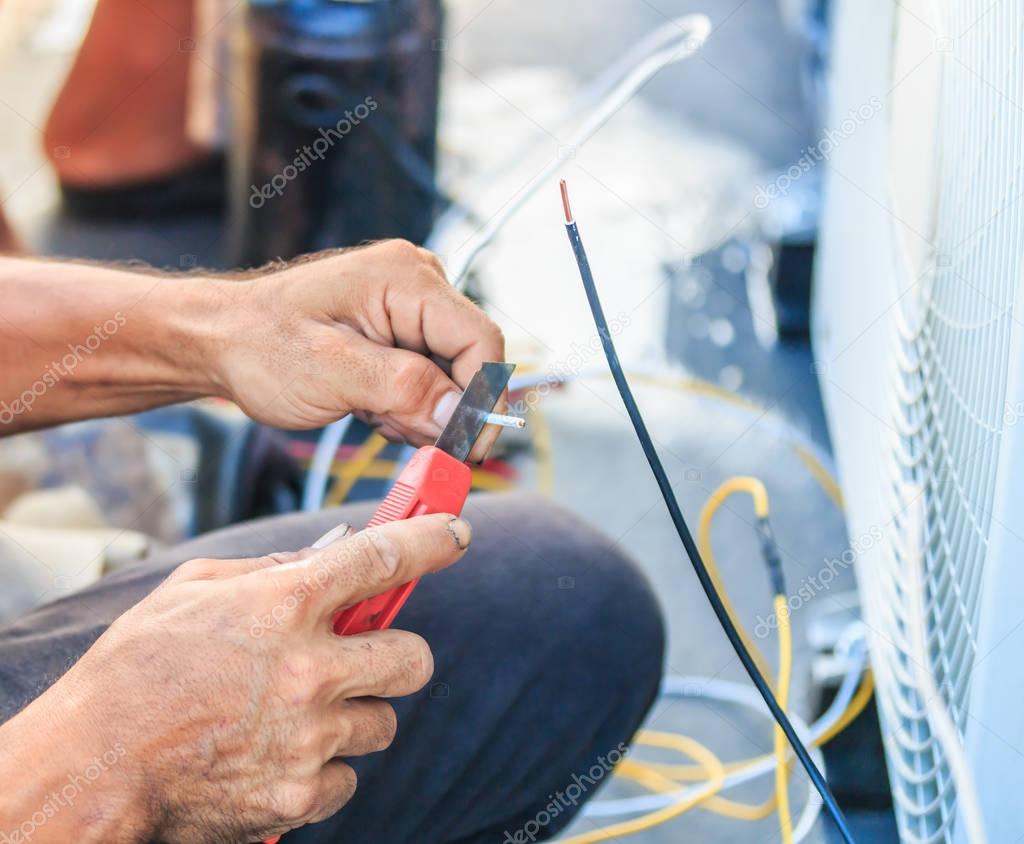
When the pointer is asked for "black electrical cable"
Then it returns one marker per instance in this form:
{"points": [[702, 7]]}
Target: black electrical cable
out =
{"points": [[684, 532]]}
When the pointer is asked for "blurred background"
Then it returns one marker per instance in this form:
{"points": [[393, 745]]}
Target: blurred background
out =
{"points": [[699, 201]]}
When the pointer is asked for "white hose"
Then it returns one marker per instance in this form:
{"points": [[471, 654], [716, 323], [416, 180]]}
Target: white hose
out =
{"points": [[691, 33], [809, 815], [320, 466], [655, 40], [588, 97], [851, 641], [743, 695]]}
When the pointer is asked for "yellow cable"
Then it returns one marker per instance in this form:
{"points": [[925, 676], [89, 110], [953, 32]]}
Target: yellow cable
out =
{"points": [[756, 490], [691, 773], [738, 811], [667, 778], [649, 776], [659, 777], [735, 809], [482, 479], [693, 749], [645, 775], [781, 761], [821, 475], [741, 483], [857, 705], [377, 470], [543, 452], [354, 468], [364, 464]]}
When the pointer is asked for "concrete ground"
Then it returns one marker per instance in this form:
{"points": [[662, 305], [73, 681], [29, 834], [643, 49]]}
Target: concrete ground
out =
{"points": [[737, 111]]}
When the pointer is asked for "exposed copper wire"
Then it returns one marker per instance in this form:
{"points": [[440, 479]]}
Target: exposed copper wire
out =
{"points": [[565, 201]]}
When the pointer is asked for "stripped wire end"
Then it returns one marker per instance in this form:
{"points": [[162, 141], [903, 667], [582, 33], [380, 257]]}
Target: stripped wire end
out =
{"points": [[505, 421], [565, 202]]}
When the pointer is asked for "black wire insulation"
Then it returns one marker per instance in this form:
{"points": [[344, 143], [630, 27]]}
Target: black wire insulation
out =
{"points": [[770, 554], [687, 539]]}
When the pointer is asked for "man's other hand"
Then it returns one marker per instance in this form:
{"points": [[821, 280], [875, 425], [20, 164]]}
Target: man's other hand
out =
{"points": [[229, 697], [376, 330]]}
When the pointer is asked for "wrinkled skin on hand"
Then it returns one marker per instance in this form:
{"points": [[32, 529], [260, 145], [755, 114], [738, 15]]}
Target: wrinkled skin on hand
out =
{"points": [[235, 703], [377, 331]]}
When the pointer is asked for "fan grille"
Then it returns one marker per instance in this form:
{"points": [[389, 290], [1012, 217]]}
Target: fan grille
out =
{"points": [[952, 333]]}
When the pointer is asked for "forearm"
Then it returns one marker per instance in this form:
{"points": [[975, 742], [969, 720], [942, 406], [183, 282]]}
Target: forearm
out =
{"points": [[378, 330], [79, 341], [61, 783]]}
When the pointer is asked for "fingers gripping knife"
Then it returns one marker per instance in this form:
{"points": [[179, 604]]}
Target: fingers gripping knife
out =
{"points": [[436, 480]]}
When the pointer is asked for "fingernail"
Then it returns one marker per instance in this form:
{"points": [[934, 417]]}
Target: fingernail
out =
{"points": [[445, 408], [334, 534], [461, 532], [282, 557]]}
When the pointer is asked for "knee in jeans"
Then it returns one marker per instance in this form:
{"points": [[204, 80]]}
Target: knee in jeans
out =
{"points": [[620, 609], [599, 603]]}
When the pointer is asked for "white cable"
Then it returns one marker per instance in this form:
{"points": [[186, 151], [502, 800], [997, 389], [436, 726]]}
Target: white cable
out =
{"points": [[809, 815], [320, 465], [606, 81], [736, 693], [600, 88], [853, 643], [732, 693], [939, 720], [691, 33], [720, 690]]}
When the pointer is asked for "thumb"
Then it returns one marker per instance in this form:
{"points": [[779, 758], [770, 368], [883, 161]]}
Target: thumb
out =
{"points": [[212, 569], [402, 390]]}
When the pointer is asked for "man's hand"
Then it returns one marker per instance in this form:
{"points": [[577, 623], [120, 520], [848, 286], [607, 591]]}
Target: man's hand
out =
{"points": [[222, 707], [376, 330]]}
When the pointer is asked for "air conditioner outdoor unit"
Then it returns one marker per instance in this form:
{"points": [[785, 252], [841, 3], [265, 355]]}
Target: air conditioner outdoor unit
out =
{"points": [[919, 343]]}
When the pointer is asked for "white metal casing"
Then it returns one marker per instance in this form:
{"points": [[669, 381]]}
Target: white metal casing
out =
{"points": [[919, 349]]}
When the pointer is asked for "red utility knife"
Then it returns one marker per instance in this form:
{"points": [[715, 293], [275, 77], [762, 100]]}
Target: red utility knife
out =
{"points": [[436, 480]]}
